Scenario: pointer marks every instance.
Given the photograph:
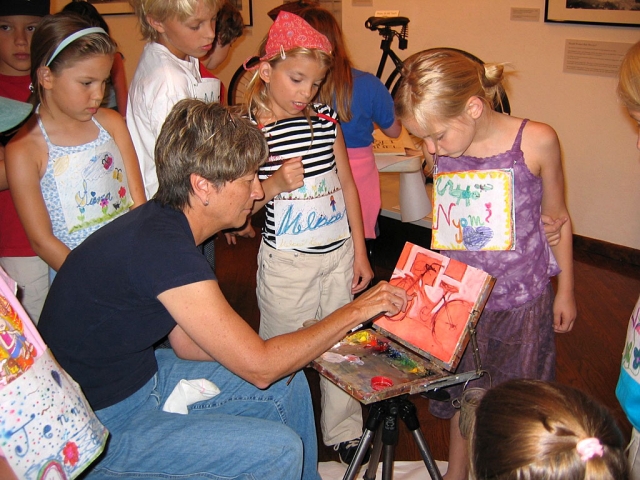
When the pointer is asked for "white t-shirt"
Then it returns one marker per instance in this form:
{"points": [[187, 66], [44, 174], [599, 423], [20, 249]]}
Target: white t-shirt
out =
{"points": [[161, 80]]}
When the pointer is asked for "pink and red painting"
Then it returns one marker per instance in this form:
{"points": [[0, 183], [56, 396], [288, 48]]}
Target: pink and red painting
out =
{"points": [[445, 298]]}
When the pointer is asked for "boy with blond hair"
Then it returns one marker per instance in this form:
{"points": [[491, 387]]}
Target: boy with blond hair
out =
{"points": [[178, 34]]}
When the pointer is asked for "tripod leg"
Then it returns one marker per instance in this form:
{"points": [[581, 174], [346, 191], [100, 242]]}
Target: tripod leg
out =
{"points": [[372, 469], [390, 438], [355, 464], [408, 415], [373, 421], [387, 462], [432, 468]]}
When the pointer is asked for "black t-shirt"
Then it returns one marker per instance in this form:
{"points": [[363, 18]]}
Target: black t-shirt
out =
{"points": [[102, 315]]}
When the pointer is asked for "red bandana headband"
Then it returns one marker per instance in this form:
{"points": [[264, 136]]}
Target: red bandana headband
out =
{"points": [[290, 31]]}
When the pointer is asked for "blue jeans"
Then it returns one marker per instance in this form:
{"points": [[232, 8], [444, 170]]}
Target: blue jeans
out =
{"points": [[242, 433]]}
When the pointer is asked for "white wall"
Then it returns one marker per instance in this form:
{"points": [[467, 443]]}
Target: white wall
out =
{"points": [[602, 165]]}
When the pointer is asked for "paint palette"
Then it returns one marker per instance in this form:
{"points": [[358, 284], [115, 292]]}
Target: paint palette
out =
{"points": [[371, 367]]}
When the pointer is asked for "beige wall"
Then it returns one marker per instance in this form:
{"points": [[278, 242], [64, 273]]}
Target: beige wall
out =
{"points": [[125, 31], [602, 165]]}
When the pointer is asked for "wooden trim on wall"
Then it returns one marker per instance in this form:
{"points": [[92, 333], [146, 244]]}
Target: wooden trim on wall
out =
{"points": [[606, 249]]}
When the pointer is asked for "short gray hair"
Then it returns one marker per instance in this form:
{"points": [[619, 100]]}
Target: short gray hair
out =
{"points": [[208, 140]]}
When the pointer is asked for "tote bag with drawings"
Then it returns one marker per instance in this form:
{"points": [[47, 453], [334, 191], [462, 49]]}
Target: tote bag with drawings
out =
{"points": [[47, 428]]}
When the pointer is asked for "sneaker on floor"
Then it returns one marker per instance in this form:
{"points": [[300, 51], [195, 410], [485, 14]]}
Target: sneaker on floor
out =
{"points": [[347, 450]]}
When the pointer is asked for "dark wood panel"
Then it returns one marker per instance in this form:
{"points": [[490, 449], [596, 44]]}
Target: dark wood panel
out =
{"points": [[606, 249]]}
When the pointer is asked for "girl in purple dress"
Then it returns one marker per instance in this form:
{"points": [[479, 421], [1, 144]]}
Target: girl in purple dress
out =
{"points": [[445, 99]]}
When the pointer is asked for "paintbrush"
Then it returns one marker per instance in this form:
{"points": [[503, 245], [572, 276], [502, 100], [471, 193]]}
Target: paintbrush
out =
{"points": [[367, 322], [357, 327]]}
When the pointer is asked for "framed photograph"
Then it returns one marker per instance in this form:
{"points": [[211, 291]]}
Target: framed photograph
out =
{"points": [[623, 13], [246, 9], [112, 7]]}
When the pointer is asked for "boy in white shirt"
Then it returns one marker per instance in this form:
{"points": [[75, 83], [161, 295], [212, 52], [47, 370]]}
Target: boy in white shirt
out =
{"points": [[179, 33]]}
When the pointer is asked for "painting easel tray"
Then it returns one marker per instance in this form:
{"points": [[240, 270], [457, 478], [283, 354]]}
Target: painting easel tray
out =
{"points": [[419, 348], [366, 356]]}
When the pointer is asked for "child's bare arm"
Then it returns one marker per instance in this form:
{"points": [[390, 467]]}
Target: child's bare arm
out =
{"points": [[287, 178], [116, 126], [542, 151], [25, 163], [552, 228], [394, 130], [362, 272], [3, 174], [119, 83]]}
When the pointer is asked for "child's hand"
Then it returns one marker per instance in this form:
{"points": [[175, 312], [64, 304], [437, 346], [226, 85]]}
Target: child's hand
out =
{"points": [[362, 274], [290, 175], [564, 312], [552, 228], [246, 231]]}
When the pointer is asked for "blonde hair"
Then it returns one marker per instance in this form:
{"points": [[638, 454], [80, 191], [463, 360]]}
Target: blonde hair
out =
{"points": [[162, 10], [530, 430], [337, 88], [629, 80], [437, 83], [257, 95]]}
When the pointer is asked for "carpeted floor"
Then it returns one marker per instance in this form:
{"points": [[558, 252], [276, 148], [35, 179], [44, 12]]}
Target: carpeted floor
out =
{"points": [[401, 470]]}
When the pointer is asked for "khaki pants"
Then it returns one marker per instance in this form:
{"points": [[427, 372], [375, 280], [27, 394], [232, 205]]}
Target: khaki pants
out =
{"points": [[32, 276], [634, 455], [293, 287]]}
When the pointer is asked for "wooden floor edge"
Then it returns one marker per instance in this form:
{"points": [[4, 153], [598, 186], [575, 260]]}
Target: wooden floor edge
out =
{"points": [[606, 249]]}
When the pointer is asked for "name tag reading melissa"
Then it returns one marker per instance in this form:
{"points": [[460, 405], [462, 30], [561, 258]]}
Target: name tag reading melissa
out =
{"points": [[313, 215]]}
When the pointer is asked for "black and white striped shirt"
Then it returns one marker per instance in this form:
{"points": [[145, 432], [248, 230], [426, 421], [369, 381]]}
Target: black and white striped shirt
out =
{"points": [[313, 140]]}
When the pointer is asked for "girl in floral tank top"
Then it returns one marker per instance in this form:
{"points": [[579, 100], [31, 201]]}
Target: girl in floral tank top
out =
{"points": [[72, 168]]}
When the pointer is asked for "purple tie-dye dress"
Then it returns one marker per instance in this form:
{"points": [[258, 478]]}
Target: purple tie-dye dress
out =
{"points": [[522, 274], [515, 331]]}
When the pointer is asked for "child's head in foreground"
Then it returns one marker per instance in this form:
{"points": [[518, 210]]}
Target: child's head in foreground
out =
{"points": [[152, 14], [535, 430], [294, 60], [339, 82], [62, 41]]}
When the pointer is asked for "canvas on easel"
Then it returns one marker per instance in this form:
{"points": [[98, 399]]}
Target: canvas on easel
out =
{"points": [[419, 348], [444, 294]]}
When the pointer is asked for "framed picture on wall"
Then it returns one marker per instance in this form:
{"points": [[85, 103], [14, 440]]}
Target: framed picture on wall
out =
{"points": [[624, 13], [112, 7], [104, 7], [246, 9]]}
